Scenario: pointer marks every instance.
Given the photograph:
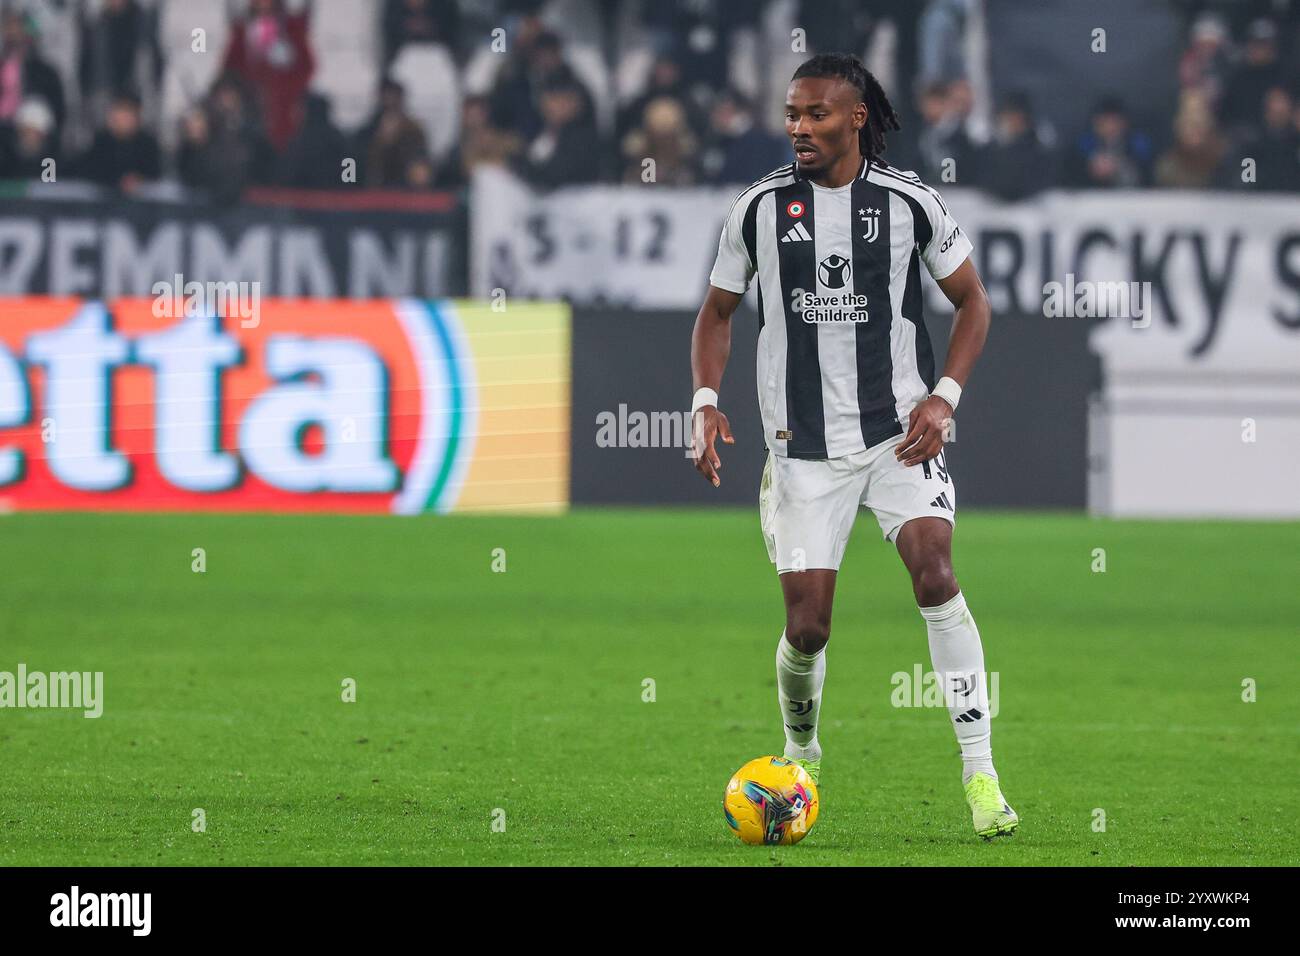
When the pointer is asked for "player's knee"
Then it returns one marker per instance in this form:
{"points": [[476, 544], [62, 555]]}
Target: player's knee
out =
{"points": [[808, 633], [934, 583]]}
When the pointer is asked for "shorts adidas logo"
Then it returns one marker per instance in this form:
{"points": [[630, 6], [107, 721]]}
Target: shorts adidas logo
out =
{"points": [[797, 233], [942, 502]]}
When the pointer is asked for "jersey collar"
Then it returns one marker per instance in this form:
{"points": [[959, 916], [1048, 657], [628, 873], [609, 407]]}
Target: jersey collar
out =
{"points": [[862, 173]]}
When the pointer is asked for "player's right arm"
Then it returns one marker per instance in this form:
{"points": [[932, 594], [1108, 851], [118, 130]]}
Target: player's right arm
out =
{"points": [[711, 341], [710, 347]]}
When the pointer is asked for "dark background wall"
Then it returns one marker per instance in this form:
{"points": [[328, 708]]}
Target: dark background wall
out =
{"points": [[1021, 430]]}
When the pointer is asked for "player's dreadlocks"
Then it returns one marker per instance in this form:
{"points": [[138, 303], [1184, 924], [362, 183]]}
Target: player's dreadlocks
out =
{"points": [[881, 117]]}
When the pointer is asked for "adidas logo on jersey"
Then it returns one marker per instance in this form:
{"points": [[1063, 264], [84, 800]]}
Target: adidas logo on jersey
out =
{"points": [[797, 233]]}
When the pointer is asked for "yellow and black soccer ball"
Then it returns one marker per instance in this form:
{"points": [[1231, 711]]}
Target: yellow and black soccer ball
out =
{"points": [[770, 800]]}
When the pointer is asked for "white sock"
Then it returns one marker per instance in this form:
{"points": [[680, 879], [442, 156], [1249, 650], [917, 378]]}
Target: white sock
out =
{"points": [[799, 679], [958, 659]]}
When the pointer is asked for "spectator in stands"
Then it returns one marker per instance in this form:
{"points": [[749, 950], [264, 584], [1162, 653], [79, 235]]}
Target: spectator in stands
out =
{"points": [[697, 35], [962, 97], [420, 174], [538, 63], [123, 154], [1205, 63], [112, 43], [223, 149], [565, 152], [268, 50], [1111, 154], [740, 150], [1195, 160], [941, 40], [313, 159], [24, 74], [419, 21], [481, 144], [394, 142], [943, 135], [1015, 164], [1276, 147], [665, 138], [843, 25], [1258, 71], [665, 81], [25, 148], [198, 160]]}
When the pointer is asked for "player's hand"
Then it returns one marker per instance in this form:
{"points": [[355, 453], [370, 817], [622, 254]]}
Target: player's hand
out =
{"points": [[707, 424], [926, 428]]}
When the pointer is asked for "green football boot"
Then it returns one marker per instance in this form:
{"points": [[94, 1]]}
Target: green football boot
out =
{"points": [[814, 768], [990, 812]]}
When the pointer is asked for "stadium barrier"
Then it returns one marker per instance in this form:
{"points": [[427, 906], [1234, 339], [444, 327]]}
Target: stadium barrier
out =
{"points": [[323, 245]]}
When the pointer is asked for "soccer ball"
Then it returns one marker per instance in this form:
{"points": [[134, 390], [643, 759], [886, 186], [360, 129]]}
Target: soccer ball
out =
{"points": [[771, 800]]}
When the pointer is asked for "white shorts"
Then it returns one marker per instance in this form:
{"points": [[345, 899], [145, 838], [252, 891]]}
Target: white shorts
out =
{"points": [[807, 508]]}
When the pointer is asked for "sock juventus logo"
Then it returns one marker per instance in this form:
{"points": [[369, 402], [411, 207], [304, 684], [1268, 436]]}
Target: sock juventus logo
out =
{"points": [[801, 707], [871, 218]]}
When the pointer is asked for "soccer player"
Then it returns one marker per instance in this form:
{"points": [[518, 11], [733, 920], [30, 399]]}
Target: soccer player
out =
{"points": [[851, 411]]}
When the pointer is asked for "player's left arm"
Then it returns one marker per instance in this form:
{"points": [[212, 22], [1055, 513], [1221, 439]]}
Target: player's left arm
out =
{"points": [[970, 326]]}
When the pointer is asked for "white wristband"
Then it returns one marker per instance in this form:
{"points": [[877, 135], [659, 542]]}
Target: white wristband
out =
{"points": [[703, 396], [948, 390]]}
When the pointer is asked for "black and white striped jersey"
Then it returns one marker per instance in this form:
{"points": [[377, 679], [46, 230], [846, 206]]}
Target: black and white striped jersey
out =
{"points": [[843, 353]]}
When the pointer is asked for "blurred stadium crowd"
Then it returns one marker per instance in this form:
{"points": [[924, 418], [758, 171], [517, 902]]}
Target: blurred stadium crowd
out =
{"points": [[206, 98]]}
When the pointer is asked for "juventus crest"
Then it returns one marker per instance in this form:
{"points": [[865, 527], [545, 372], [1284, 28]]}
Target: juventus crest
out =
{"points": [[870, 218]]}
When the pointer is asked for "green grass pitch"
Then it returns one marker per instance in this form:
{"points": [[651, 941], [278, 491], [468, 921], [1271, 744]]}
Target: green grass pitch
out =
{"points": [[1119, 691]]}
